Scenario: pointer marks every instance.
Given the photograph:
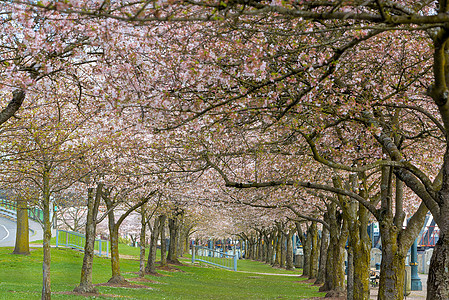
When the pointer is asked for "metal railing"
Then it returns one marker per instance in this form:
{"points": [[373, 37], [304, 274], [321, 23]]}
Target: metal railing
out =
{"points": [[430, 237], [8, 212], [77, 240], [34, 213], [214, 257]]}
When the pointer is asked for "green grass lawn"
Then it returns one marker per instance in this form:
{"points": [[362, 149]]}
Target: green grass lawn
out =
{"points": [[21, 278]]}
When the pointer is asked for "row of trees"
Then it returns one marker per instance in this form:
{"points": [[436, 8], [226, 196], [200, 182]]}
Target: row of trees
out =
{"points": [[345, 99]]}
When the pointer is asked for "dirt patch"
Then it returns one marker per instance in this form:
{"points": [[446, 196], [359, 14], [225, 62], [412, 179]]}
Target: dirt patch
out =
{"points": [[124, 285]]}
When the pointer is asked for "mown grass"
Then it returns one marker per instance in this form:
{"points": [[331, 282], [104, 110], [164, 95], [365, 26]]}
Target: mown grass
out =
{"points": [[21, 278]]}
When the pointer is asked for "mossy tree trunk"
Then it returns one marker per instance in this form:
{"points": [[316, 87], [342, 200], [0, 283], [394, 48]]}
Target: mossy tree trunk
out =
{"points": [[314, 251], [396, 241], [22, 245], [359, 242]]}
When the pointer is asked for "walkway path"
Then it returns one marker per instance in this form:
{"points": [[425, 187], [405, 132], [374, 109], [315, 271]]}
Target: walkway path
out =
{"points": [[414, 295], [8, 232]]}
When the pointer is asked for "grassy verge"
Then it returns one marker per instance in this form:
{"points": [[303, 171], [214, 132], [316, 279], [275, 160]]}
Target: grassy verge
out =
{"points": [[21, 278]]}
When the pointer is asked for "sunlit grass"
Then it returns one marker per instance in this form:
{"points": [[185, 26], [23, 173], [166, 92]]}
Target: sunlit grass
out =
{"points": [[21, 278]]}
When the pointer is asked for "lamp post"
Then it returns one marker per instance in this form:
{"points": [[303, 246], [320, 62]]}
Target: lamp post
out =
{"points": [[416, 281]]}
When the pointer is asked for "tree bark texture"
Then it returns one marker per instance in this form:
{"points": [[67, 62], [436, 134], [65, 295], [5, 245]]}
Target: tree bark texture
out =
{"points": [[22, 245], [173, 227], [162, 220], [151, 262], [93, 203], [438, 280], [314, 253], [289, 260], [46, 286], [324, 246], [307, 251], [283, 250], [13, 106], [143, 237]]}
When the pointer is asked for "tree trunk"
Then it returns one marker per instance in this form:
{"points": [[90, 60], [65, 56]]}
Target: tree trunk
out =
{"points": [[313, 232], [438, 280], [323, 256], [328, 282], [335, 269], [260, 247], [283, 250], [356, 216], [289, 259], [114, 226], [162, 219], [307, 249], [269, 258], [350, 275], [143, 227], [115, 258], [392, 271], [172, 256], [339, 260], [86, 285], [151, 263], [46, 286], [22, 245], [180, 239], [277, 250]]}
